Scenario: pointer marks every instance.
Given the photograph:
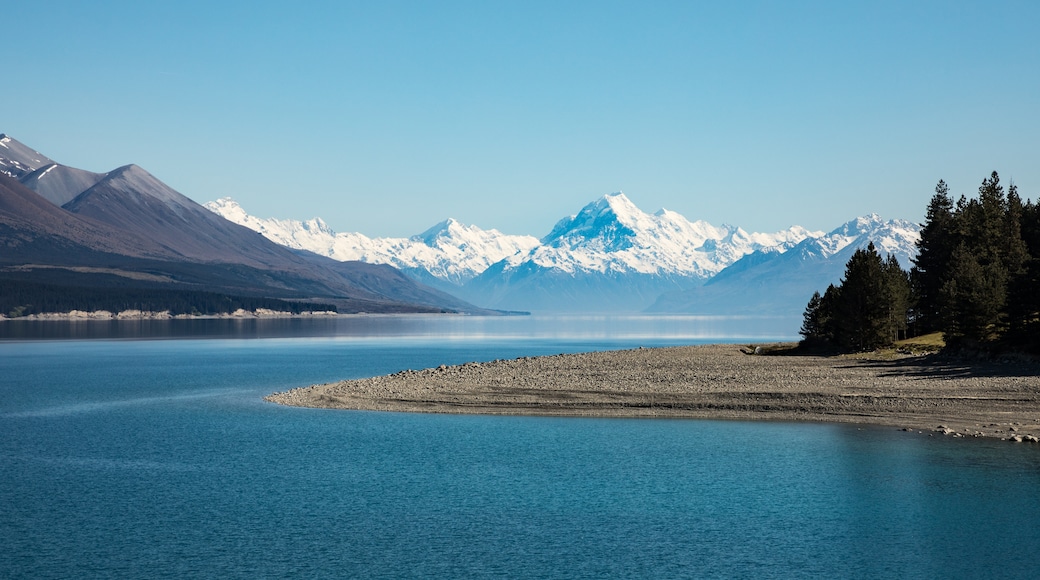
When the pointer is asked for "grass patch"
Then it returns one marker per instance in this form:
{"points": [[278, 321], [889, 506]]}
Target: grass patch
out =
{"points": [[921, 344]]}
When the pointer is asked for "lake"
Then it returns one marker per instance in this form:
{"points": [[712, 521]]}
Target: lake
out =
{"points": [[145, 450]]}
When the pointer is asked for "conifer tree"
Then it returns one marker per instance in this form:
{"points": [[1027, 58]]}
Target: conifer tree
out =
{"points": [[933, 253], [828, 314], [976, 278], [1014, 251], [863, 309], [1024, 289], [973, 298], [897, 294], [990, 254], [812, 329]]}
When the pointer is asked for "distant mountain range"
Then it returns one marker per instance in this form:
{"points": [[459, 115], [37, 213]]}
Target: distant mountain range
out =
{"points": [[445, 256], [77, 229], [611, 257], [125, 228], [778, 282]]}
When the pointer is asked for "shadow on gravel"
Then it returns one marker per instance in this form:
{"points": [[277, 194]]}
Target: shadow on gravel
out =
{"points": [[935, 366]]}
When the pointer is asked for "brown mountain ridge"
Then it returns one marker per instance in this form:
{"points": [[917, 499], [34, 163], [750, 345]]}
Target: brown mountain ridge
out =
{"points": [[128, 228]]}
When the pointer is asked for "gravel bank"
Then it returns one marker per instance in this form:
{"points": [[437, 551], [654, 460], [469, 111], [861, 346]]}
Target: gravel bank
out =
{"points": [[717, 381]]}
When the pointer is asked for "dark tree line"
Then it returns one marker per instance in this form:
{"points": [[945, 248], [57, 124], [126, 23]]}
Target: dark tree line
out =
{"points": [[18, 298], [867, 310], [976, 279]]}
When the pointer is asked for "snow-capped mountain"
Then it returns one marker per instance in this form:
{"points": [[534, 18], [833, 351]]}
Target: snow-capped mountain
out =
{"points": [[610, 256], [613, 256], [780, 283], [612, 235], [448, 254]]}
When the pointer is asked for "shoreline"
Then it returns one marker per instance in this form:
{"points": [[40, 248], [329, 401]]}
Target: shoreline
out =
{"points": [[76, 315], [919, 393]]}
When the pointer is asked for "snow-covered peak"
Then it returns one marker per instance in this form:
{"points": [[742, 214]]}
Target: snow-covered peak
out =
{"points": [[609, 236], [450, 251], [228, 208], [897, 237], [616, 202], [859, 226], [446, 230], [300, 235], [612, 234], [612, 218]]}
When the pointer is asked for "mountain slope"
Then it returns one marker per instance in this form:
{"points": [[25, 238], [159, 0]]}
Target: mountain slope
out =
{"points": [[17, 160], [130, 226], [32, 222], [60, 184], [770, 282]]}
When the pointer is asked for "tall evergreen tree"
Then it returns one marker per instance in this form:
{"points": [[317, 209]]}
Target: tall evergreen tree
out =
{"points": [[973, 298], [990, 253], [897, 294], [1014, 250], [863, 308], [812, 327], [976, 278], [1024, 289], [828, 314], [933, 253]]}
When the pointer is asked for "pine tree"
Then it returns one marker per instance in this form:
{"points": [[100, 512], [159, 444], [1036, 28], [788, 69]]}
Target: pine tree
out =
{"points": [[976, 278], [1014, 251], [897, 294], [828, 314], [933, 253], [812, 329], [863, 310], [973, 297], [1024, 289], [990, 254]]}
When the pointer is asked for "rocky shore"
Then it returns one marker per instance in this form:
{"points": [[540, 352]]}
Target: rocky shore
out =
{"points": [[921, 393]]}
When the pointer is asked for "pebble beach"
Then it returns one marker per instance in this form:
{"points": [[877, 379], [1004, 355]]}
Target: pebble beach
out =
{"points": [[928, 393]]}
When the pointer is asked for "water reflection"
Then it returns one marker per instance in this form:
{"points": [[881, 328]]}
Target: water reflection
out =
{"points": [[583, 327]]}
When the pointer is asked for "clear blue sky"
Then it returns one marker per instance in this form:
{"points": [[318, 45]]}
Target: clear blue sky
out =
{"points": [[386, 117]]}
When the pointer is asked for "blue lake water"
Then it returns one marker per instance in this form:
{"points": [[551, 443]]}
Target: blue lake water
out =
{"points": [[158, 458]]}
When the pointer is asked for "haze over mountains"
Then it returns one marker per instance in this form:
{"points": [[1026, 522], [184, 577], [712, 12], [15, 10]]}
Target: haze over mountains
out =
{"points": [[76, 228], [125, 228], [611, 257]]}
